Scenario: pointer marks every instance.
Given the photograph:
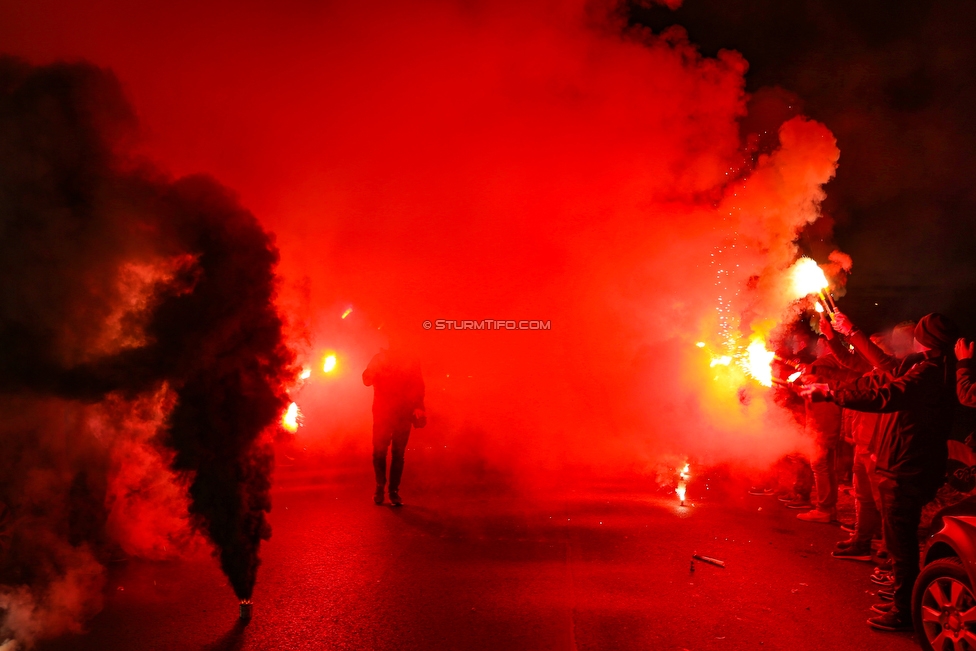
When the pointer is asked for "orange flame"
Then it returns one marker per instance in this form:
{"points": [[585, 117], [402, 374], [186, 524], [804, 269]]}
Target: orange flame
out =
{"points": [[758, 362], [807, 278], [682, 488], [329, 364], [290, 420]]}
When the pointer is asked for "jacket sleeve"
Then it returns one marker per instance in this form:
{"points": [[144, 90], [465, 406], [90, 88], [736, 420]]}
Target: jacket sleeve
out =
{"points": [[965, 384], [885, 395], [870, 352], [852, 361]]}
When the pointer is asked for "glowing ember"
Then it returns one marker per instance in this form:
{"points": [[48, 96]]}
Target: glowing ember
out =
{"points": [[682, 488], [306, 373], [758, 363], [330, 363], [794, 377], [290, 420], [700, 344], [347, 312], [807, 277], [724, 360]]}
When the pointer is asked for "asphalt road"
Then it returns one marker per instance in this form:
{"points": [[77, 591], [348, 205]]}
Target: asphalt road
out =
{"points": [[595, 566]]}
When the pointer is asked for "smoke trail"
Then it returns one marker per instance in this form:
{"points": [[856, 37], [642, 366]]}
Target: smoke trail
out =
{"points": [[138, 327]]}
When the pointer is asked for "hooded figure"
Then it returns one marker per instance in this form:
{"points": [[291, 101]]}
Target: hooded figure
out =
{"points": [[921, 391]]}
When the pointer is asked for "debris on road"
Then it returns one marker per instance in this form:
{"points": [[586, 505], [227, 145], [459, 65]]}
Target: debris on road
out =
{"points": [[707, 559]]}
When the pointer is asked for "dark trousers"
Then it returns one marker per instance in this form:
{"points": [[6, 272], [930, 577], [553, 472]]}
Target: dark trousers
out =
{"points": [[387, 433], [867, 504], [902, 502], [825, 475]]}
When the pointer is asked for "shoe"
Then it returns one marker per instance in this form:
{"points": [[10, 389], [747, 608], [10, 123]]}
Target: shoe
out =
{"points": [[881, 609], [844, 544], [884, 579], [849, 528], [891, 621], [853, 554], [886, 594], [799, 503], [876, 544], [788, 496], [761, 490], [395, 498], [378, 496], [816, 515]]}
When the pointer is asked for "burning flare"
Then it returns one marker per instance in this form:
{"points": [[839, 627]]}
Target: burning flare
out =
{"points": [[758, 363], [807, 278], [682, 488], [330, 363], [290, 420]]}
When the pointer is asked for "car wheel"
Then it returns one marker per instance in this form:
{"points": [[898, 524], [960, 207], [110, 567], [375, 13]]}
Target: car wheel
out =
{"points": [[944, 607]]}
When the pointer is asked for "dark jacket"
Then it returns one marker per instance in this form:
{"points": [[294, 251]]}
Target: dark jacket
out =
{"points": [[966, 382], [398, 385], [922, 392], [867, 429]]}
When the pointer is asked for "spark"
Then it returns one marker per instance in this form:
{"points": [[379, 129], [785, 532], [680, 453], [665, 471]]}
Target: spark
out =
{"points": [[306, 373], [347, 312]]}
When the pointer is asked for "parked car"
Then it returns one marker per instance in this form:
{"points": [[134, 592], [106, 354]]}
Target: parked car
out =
{"points": [[943, 600]]}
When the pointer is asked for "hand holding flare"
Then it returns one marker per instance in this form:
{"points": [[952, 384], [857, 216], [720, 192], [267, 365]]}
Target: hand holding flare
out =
{"points": [[815, 392], [842, 324]]}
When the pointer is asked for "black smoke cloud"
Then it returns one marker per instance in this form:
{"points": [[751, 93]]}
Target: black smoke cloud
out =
{"points": [[122, 292]]}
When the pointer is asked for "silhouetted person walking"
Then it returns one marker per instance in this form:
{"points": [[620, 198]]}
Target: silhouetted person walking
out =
{"points": [[398, 405]]}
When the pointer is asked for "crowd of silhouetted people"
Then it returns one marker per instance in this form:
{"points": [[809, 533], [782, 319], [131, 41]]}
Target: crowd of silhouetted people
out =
{"points": [[880, 410]]}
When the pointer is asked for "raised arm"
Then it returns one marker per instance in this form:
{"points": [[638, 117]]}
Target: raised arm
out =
{"points": [[849, 360], [965, 373], [863, 344], [886, 395]]}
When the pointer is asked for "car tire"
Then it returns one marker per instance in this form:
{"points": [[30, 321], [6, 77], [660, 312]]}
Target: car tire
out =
{"points": [[938, 577]]}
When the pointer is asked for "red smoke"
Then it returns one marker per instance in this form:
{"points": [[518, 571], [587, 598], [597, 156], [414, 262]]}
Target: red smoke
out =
{"points": [[494, 160], [506, 160]]}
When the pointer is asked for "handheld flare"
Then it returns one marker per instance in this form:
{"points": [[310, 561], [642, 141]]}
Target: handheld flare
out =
{"points": [[809, 279]]}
